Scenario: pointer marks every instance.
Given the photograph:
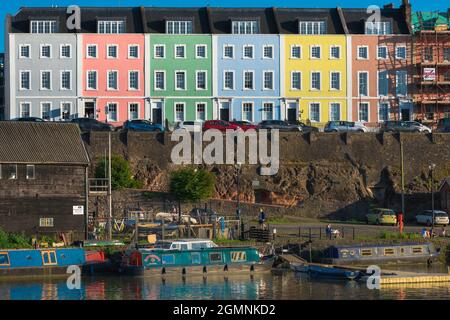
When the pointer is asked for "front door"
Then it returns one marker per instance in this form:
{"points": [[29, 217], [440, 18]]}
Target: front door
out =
{"points": [[89, 109], [292, 115], [225, 111], [157, 112], [405, 116]]}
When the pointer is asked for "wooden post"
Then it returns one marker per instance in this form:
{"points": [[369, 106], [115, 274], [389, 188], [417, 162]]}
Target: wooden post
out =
{"points": [[310, 234]]}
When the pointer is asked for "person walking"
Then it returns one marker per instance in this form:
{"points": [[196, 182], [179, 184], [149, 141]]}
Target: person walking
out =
{"points": [[400, 222], [262, 218]]}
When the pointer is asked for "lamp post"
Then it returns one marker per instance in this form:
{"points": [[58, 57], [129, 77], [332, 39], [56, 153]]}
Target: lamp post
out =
{"points": [[238, 209], [432, 166]]}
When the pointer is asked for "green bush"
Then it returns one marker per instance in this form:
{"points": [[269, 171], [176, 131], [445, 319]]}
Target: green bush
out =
{"points": [[192, 184], [121, 175], [13, 240]]}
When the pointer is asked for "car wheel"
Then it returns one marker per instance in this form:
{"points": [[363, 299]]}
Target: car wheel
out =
{"points": [[157, 130], [378, 222], [361, 130], [416, 131], [334, 130]]}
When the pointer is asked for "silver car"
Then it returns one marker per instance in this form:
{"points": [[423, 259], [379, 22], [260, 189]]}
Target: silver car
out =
{"points": [[426, 217], [345, 126]]}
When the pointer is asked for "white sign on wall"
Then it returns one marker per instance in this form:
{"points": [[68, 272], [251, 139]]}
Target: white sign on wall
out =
{"points": [[78, 210], [429, 74]]}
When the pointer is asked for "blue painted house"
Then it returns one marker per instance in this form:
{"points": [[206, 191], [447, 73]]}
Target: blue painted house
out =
{"points": [[246, 64]]}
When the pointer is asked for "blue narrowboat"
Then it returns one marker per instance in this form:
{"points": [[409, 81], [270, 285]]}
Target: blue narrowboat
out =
{"points": [[381, 253], [331, 272], [39, 262], [193, 257]]}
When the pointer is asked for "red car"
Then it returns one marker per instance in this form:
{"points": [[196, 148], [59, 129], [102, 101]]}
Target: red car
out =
{"points": [[245, 125], [219, 125]]}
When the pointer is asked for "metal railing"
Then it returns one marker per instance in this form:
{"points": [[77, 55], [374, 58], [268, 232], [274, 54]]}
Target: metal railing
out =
{"points": [[98, 185]]}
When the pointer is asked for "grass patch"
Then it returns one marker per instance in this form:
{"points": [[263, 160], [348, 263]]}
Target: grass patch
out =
{"points": [[231, 242], [390, 235]]}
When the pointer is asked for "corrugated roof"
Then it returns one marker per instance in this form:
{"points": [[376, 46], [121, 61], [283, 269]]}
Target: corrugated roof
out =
{"points": [[31, 142]]}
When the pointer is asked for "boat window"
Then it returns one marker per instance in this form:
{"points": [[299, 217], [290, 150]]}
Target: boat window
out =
{"points": [[48, 258], [237, 256], [402, 250], [389, 251], [215, 257], [417, 250], [344, 253], [4, 259], [168, 259], [184, 247], [195, 257], [200, 245], [366, 252]]}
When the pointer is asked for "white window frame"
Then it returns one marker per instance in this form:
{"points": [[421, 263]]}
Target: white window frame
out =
{"points": [[359, 86], [224, 82], [40, 50], [164, 51], [138, 51], [61, 80], [138, 80], [108, 88], [378, 83], [175, 51], [20, 51], [87, 80], [357, 52], [196, 80], [253, 110], [118, 29], [243, 51], [154, 80], [396, 52], [310, 109], [40, 80], [21, 108], [49, 111], [188, 23], [87, 51], [306, 22], [378, 52], [223, 51], [138, 110], [263, 51], [175, 110], [21, 88], [61, 109], [311, 51], [61, 49], [117, 111], [330, 113], [51, 22], [296, 46], [243, 80], [196, 52], [368, 110], [262, 109], [378, 110], [273, 80], [196, 111], [311, 81], [292, 82], [239, 22], [107, 51], [175, 80], [331, 81], [340, 52]]}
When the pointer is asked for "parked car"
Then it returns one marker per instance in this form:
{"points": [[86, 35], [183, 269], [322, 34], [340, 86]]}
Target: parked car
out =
{"points": [[305, 127], [381, 216], [221, 125], [443, 123], [90, 124], [345, 126], [29, 119], [444, 130], [189, 126], [426, 217], [142, 125], [279, 125], [404, 126], [245, 125]]}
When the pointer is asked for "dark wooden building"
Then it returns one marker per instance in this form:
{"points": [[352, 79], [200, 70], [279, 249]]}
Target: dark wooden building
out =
{"points": [[43, 179], [444, 192]]}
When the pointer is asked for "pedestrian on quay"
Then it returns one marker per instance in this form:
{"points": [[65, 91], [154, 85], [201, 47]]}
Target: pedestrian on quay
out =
{"points": [[262, 218], [328, 231], [443, 232], [400, 222], [424, 233]]}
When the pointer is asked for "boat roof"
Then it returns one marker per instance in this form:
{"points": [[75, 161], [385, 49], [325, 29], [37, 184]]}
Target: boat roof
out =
{"points": [[187, 240], [381, 245]]}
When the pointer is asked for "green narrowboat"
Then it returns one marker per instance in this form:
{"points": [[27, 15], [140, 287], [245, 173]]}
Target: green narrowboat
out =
{"points": [[193, 257]]}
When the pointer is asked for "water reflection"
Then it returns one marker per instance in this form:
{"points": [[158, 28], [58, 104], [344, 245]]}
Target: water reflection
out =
{"points": [[269, 286]]}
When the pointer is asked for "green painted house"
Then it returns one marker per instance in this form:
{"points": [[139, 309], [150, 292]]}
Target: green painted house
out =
{"points": [[180, 77]]}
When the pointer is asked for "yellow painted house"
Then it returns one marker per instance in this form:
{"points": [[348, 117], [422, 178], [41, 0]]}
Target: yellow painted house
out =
{"points": [[314, 72]]}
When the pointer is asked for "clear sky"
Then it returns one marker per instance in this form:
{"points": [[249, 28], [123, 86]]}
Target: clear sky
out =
{"points": [[8, 6]]}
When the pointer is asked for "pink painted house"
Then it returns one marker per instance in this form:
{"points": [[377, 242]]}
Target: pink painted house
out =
{"points": [[113, 86]]}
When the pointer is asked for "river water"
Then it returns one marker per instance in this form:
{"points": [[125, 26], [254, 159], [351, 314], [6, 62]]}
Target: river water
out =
{"points": [[286, 285]]}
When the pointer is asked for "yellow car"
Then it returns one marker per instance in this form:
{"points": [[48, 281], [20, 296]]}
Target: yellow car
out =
{"points": [[381, 216]]}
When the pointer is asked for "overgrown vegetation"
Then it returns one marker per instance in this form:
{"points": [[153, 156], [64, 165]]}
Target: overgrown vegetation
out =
{"points": [[13, 240], [121, 175], [192, 184], [391, 235]]}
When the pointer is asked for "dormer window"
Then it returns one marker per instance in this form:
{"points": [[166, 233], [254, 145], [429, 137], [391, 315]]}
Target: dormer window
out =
{"points": [[378, 28], [41, 26], [312, 27], [245, 27], [178, 27], [111, 26]]}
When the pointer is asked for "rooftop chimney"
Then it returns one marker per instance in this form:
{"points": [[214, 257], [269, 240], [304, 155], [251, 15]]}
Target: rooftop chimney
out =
{"points": [[407, 12]]}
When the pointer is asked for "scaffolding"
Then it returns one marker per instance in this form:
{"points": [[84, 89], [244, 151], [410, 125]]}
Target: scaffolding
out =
{"points": [[431, 43]]}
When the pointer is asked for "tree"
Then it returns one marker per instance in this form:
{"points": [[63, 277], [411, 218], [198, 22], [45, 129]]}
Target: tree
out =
{"points": [[121, 175], [192, 184]]}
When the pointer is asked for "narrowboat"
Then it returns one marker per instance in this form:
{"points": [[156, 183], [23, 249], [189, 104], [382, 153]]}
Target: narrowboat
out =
{"points": [[193, 257], [332, 272], [39, 262], [381, 254]]}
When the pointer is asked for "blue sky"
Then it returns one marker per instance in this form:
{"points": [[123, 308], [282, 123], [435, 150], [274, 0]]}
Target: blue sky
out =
{"points": [[12, 6]]}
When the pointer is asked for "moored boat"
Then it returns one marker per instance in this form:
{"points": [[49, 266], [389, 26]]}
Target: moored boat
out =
{"points": [[193, 257], [332, 272]]}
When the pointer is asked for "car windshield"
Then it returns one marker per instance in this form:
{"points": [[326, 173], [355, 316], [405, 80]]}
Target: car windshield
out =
{"points": [[388, 213], [440, 214]]}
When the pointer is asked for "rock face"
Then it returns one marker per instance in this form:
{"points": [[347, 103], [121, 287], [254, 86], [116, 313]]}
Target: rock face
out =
{"points": [[333, 175]]}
